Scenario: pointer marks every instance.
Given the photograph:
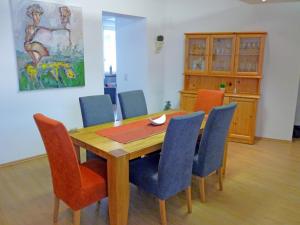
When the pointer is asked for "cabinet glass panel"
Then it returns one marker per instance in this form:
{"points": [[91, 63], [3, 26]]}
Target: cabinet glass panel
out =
{"points": [[249, 49], [222, 54], [197, 54]]}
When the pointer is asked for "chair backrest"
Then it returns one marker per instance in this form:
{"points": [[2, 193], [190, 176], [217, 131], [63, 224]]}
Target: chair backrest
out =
{"points": [[175, 164], [66, 176], [132, 103], [211, 148], [96, 109], [207, 99]]}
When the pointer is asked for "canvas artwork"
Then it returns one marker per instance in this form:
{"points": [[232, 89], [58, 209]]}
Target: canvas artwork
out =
{"points": [[49, 45]]}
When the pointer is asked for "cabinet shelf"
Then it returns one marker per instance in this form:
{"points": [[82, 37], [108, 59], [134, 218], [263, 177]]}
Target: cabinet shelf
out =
{"points": [[194, 92], [198, 54], [221, 75], [216, 55], [249, 54]]}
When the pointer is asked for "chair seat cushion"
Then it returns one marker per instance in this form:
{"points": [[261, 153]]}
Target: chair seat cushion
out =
{"points": [[143, 173], [94, 188]]}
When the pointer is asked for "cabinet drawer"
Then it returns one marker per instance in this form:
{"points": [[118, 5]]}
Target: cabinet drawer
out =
{"points": [[226, 101], [187, 102]]}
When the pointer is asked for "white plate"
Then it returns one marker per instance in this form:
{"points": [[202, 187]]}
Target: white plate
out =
{"points": [[159, 121]]}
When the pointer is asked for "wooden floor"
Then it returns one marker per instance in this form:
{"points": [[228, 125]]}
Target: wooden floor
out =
{"points": [[262, 187]]}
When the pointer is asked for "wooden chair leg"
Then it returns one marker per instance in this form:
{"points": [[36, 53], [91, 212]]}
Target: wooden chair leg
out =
{"points": [[189, 199], [56, 209], [76, 217], [202, 189], [162, 209], [220, 179], [225, 157], [98, 204]]}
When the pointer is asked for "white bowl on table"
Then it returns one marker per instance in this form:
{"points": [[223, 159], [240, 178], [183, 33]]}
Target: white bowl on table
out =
{"points": [[158, 121]]}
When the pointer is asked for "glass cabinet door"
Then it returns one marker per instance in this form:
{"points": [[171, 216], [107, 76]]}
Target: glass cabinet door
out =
{"points": [[249, 53], [197, 54], [222, 54]]}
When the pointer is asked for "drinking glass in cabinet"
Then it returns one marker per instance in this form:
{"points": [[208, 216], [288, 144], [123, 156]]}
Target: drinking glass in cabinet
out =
{"points": [[222, 53], [197, 46], [198, 64]]}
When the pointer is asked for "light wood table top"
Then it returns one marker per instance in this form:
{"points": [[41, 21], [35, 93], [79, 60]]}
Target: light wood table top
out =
{"points": [[87, 138]]}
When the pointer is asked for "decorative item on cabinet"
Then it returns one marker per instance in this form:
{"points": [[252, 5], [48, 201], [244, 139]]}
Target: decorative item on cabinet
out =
{"points": [[233, 59], [222, 86], [167, 105]]}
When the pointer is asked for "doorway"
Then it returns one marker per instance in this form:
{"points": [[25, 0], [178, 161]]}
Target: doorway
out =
{"points": [[125, 55]]}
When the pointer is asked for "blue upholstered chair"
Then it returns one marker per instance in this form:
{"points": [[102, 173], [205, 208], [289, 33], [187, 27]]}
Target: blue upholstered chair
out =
{"points": [[211, 149], [132, 104], [170, 172], [96, 109]]}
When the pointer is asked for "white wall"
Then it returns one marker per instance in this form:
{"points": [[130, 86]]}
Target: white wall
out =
{"points": [[19, 137], [131, 53], [276, 111], [132, 59]]}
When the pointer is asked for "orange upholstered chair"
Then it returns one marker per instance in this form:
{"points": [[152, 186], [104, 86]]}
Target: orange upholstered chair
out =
{"points": [[78, 185], [208, 99]]}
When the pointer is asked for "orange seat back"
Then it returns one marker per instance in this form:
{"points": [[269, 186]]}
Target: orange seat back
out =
{"points": [[62, 157], [208, 99]]}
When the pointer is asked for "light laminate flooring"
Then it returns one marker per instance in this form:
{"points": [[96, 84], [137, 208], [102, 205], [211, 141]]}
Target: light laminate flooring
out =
{"points": [[262, 187]]}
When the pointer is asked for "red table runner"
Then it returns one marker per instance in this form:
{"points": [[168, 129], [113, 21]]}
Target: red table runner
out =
{"points": [[136, 130]]}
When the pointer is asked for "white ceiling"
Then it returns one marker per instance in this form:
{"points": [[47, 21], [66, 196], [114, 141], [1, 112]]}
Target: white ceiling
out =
{"points": [[268, 1]]}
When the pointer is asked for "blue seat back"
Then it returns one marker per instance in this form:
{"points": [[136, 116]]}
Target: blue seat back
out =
{"points": [[132, 104], [96, 109], [211, 148], [175, 164]]}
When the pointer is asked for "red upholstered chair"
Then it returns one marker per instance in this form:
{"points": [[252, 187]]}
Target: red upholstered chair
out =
{"points": [[208, 99], [78, 185]]}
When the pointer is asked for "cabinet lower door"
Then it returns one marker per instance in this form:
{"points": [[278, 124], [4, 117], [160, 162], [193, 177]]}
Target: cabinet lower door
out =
{"points": [[244, 120], [187, 102]]}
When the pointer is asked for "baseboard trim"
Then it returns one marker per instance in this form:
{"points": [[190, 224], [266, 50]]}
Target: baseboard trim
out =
{"points": [[273, 139], [17, 162]]}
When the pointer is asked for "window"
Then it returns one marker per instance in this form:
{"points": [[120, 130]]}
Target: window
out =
{"points": [[109, 43]]}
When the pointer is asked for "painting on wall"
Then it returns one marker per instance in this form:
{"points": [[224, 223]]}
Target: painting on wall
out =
{"points": [[49, 45]]}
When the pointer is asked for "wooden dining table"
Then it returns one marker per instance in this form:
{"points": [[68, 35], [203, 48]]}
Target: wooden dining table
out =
{"points": [[118, 156]]}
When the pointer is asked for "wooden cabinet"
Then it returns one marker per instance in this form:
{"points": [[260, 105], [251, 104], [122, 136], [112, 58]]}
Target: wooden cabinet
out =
{"points": [[243, 123], [235, 59]]}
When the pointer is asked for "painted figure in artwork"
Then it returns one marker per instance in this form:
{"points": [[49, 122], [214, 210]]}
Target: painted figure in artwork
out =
{"points": [[35, 49], [65, 14]]}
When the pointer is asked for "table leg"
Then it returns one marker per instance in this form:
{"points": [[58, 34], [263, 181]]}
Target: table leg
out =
{"points": [[118, 187], [77, 150]]}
